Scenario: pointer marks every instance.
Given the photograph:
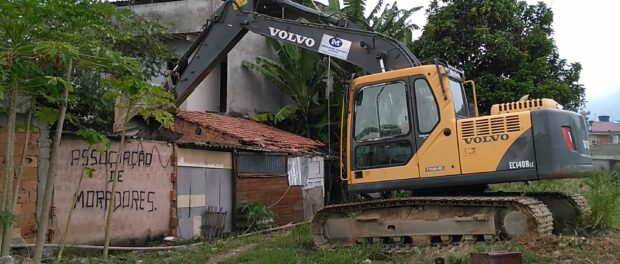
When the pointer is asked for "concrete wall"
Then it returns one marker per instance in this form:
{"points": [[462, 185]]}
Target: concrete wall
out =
{"points": [[143, 191], [180, 17], [185, 18], [206, 97], [248, 93], [606, 157]]}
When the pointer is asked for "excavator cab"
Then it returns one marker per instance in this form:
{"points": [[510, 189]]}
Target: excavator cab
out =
{"points": [[399, 121], [414, 129]]}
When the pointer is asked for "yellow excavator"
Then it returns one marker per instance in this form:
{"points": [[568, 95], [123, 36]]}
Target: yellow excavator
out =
{"points": [[409, 127]]}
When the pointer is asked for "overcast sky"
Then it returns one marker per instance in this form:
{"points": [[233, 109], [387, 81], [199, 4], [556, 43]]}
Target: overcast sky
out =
{"points": [[585, 32]]}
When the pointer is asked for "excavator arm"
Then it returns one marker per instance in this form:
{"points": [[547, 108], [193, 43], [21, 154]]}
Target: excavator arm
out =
{"points": [[279, 19]]}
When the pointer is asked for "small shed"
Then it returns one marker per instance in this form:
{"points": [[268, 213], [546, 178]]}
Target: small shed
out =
{"points": [[225, 162]]}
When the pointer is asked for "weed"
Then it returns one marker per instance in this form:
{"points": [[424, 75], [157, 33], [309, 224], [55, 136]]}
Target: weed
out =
{"points": [[301, 233], [564, 185], [254, 217], [604, 198]]}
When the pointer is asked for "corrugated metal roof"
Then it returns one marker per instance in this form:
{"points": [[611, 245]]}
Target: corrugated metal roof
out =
{"points": [[252, 133]]}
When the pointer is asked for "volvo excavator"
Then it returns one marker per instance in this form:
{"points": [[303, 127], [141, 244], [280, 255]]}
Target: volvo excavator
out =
{"points": [[409, 127]]}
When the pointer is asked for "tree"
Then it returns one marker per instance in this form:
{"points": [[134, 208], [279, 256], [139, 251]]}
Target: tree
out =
{"points": [[135, 95], [300, 74], [506, 46], [99, 142], [134, 36], [387, 19], [43, 47]]}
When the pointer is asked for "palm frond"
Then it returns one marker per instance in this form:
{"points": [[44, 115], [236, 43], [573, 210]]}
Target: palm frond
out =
{"points": [[375, 10], [333, 6], [355, 8], [285, 113]]}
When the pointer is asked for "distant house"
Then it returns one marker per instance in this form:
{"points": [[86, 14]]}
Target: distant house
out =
{"points": [[603, 133], [226, 161]]}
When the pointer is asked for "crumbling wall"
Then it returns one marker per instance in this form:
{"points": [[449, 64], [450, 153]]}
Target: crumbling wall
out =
{"points": [[143, 191], [25, 212]]}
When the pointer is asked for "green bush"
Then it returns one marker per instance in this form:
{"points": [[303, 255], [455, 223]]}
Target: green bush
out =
{"points": [[254, 217], [603, 195]]}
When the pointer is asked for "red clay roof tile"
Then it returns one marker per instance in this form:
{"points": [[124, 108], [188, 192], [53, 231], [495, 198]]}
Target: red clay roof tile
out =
{"points": [[253, 133], [605, 127]]}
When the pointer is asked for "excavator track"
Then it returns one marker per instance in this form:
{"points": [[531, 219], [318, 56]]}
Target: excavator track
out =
{"points": [[569, 210], [402, 223]]}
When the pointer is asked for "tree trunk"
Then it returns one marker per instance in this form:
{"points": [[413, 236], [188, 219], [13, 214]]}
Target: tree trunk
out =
{"points": [[22, 163], [51, 175], [9, 169], [110, 211], [66, 231], [12, 203]]}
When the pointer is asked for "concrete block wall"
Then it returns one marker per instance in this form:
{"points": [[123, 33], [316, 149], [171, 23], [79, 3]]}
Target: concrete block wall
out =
{"points": [[606, 157]]}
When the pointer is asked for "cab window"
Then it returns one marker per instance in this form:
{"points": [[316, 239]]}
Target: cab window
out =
{"points": [[426, 106], [381, 125], [458, 98], [381, 112]]}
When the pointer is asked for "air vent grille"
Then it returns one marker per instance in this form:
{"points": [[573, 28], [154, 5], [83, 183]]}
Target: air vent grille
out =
{"points": [[515, 106], [490, 126]]}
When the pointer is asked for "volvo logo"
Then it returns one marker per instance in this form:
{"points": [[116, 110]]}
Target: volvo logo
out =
{"points": [[335, 42], [292, 37], [486, 139]]}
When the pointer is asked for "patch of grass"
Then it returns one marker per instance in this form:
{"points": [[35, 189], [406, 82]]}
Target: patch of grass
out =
{"points": [[198, 253], [563, 185], [254, 217], [604, 198], [601, 189], [297, 247]]}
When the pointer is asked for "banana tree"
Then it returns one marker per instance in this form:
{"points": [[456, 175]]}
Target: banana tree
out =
{"points": [[298, 73]]}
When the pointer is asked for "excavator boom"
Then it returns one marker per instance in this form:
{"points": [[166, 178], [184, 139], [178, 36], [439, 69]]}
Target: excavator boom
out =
{"points": [[317, 31]]}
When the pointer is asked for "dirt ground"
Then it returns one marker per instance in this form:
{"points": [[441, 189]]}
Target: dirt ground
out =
{"points": [[602, 247], [231, 254]]}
